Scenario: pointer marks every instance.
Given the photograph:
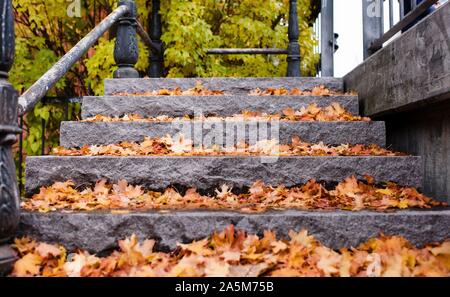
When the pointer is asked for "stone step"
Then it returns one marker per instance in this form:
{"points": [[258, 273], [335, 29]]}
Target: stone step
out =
{"points": [[77, 134], [179, 106], [208, 173], [238, 86], [100, 231]]}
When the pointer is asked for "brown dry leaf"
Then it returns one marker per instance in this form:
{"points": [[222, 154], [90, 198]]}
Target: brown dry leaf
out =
{"points": [[216, 268], [25, 244], [231, 256], [249, 270], [28, 265], [278, 246], [443, 249], [47, 250], [315, 91], [197, 247], [198, 90], [328, 261]]}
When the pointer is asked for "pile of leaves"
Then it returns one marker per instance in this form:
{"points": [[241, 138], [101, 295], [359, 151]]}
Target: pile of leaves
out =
{"points": [[316, 91], [334, 112], [235, 253], [349, 194], [181, 146], [198, 90]]}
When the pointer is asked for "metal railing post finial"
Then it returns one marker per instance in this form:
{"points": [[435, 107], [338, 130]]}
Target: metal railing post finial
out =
{"points": [[9, 192], [293, 59], [126, 52]]}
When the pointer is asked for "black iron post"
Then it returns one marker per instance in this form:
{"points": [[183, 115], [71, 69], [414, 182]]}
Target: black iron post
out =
{"points": [[126, 51], [156, 55], [293, 59], [9, 192]]}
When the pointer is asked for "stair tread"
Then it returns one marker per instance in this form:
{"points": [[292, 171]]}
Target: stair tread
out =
{"points": [[179, 106], [228, 84], [100, 231], [207, 173], [77, 134]]}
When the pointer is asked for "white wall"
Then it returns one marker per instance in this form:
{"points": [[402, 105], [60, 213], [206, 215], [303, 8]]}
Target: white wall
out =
{"points": [[348, 24]]}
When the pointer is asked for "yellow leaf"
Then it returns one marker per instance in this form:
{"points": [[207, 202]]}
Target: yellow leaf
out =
{"points": [[29, 265], [386, 191]]}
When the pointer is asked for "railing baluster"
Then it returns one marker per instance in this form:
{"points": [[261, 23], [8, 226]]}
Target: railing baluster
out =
{"points": [[126, 51], [327, 38], [391, 13], [402, 9], [42, 137], [66, 109], [293, 59], [9, 192], [372, 24], [20, 155], [156, 57]]}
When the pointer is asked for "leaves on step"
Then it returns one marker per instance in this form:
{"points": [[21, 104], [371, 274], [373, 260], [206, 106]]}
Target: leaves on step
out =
{"points": [[182, 146], [334, 112], [315, 91], [198, 90], [350, 194], [235, 253]]}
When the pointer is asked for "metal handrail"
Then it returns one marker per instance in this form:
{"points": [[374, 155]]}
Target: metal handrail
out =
{"points": [[244, 51], [292, 52], [38, 90], [151, 45], [405, 22]]}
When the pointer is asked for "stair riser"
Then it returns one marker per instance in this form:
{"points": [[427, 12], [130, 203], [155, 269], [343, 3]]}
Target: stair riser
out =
{"points": [[207, 173], [99, 232], [179, 106], [229, 85], [77, 134]]}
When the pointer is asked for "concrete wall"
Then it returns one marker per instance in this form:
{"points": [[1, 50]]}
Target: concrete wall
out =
{"points": [[407, 84], [425, 132], [412, 70]]}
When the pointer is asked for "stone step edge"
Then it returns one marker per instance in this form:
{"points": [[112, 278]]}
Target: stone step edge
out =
{"points": [[77, 134], [219, 105], [227, 84], [208, 173], [99, 232]]}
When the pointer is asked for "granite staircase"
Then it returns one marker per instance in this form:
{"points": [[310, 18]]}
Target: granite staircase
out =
{"points": [[99, 231]]}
